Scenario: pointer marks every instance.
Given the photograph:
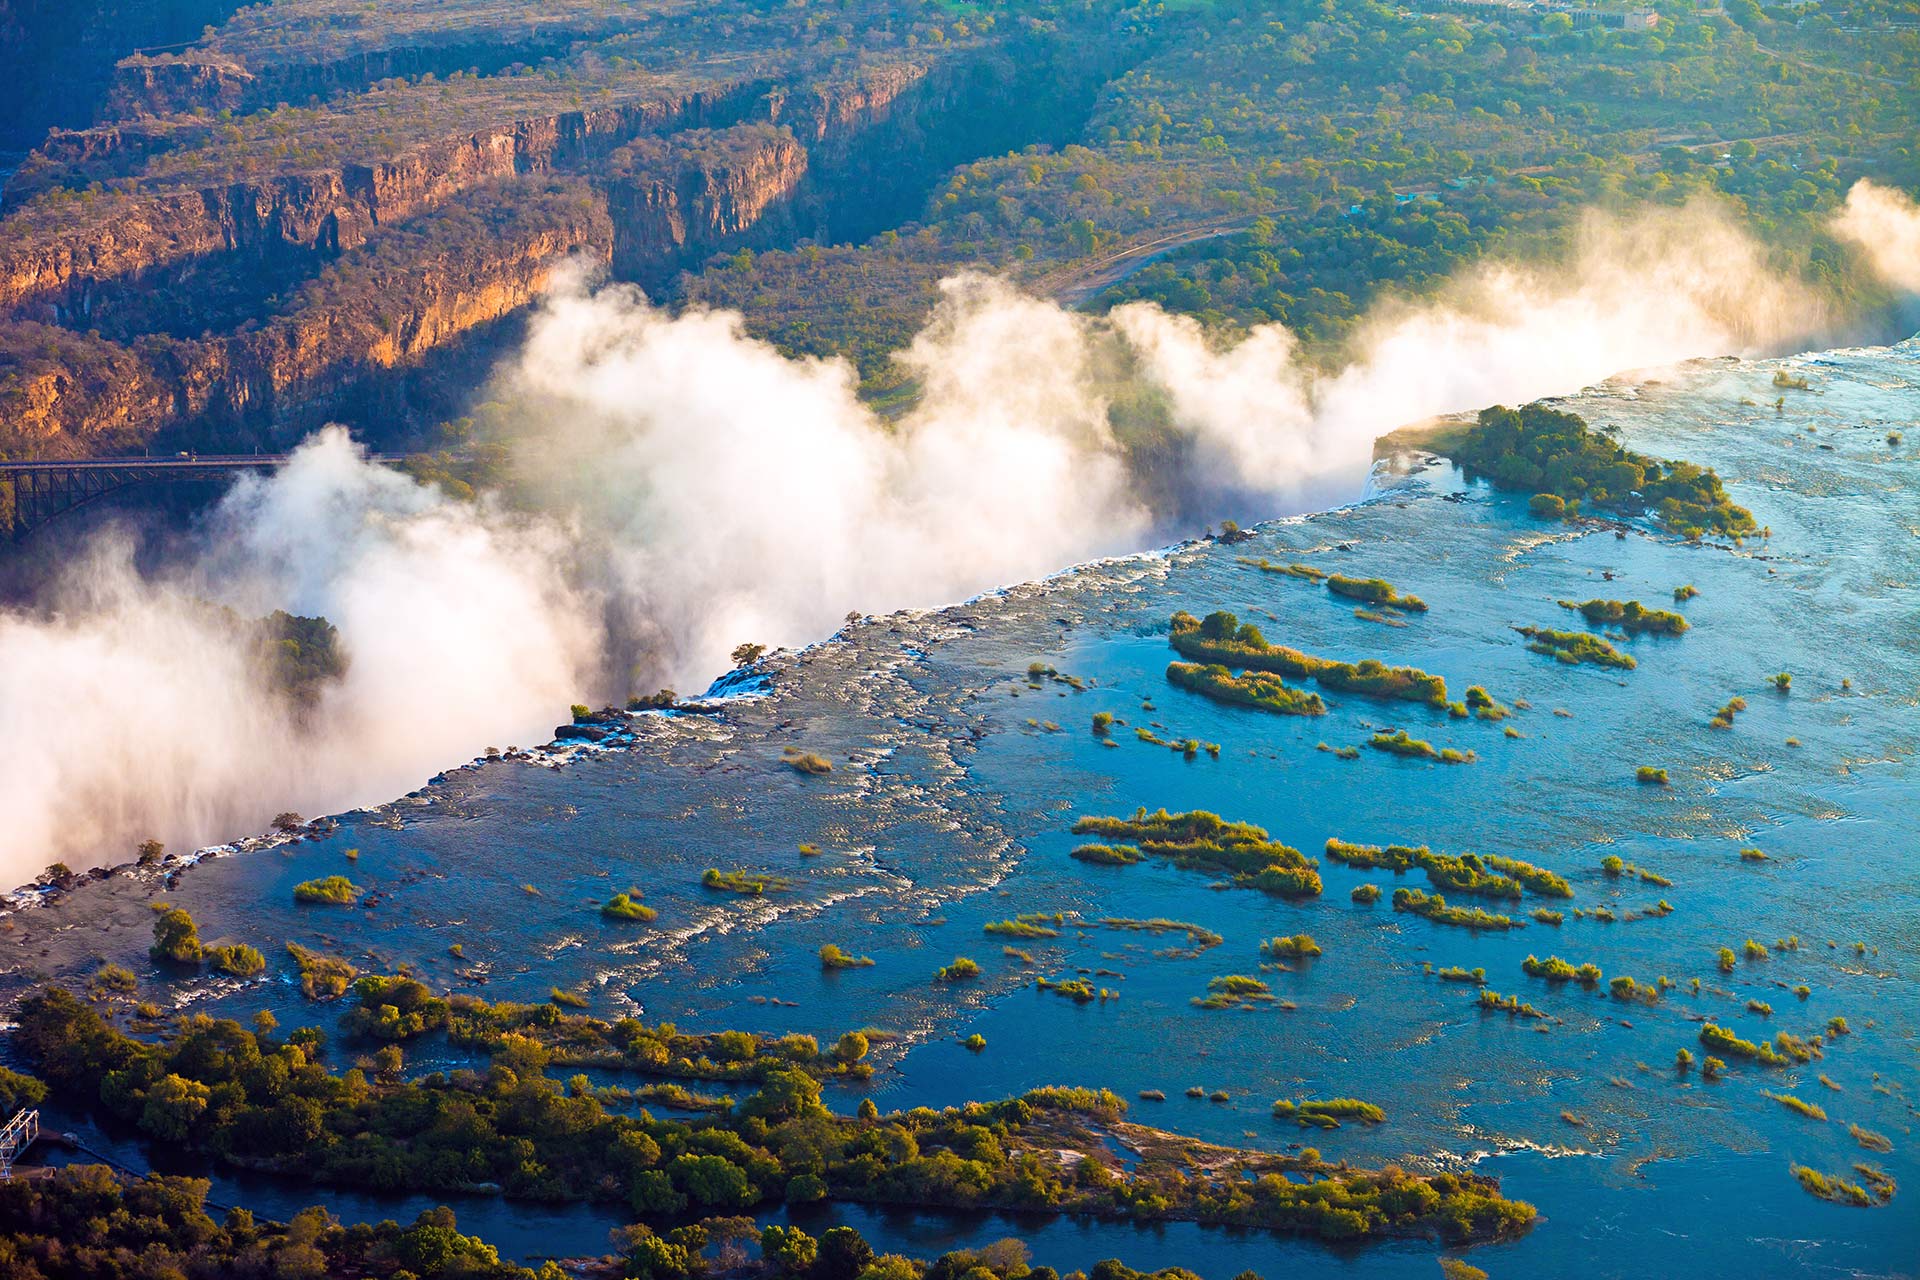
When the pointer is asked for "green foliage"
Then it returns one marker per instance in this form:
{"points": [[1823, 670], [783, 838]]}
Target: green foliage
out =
{"points": [[1327, 1113], [329, 890], [832, 957], [1436, 908], [963, 969], [1376, 591], [1630, 616], [176, 940], [159, 1226], [1536, 449], [322, 977], [1574, 647], [623, 906], [749, 883], [237, 960], [1108, 855], [395, 1008], [1254, 689], [1207, 842], [1220, 639], [1488, 875]]}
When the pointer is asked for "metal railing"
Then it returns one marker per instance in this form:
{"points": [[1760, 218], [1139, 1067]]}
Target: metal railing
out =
{"points": [[18, 1135]]}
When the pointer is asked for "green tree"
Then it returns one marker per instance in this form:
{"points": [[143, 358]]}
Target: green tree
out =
{"points": [[176, 939]]}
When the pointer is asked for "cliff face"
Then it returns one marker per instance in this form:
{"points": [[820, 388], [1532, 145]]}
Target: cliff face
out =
{"points": [[52, 276], [57, 59], [68, 392], [695, 192], [213, 81], [248, 311]]}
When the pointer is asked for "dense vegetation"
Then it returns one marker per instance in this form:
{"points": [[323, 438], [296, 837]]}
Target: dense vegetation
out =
{"points": [[1254, 689], [1575, 647], [1630, 616], [1223, 639], [1204, 841], [1556, 456], [1488, 876], [242, 1096]]}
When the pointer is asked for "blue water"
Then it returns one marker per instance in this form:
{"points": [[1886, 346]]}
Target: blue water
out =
{"points": [[947, 809]]}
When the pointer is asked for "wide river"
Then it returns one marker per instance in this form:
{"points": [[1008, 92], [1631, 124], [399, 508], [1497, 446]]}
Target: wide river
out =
{"points": [[956, 779]]}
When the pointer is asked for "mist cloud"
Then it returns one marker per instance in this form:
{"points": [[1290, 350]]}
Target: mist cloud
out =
{"points": [[684, 487], [1884, 225]]}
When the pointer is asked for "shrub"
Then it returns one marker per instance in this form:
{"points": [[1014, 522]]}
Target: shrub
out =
{"points": [[1327, 1113], [322, 977], [622, 906], [1436, 908], [749, 883], [328, 890], [1258, 689], [807, 762], [962, 969], [1300, 944], [1376, 591], [1647, 775], [832, 957], [1108, 855], [238, 960], [1575, 647], [176, 939], [1630, 616], [1366, 893]]}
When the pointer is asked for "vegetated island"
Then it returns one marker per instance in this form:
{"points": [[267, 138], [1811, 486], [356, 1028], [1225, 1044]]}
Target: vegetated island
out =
{"points": [[1261, 689], [1576, 647], [1487, 875], [1568, 467], [1630, 616], [1221, 638], [245, 1098], [1374, 591], [1202, 841]]}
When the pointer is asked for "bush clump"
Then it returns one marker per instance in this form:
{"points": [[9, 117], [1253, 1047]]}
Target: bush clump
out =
{"points": [[176, 939], [1375, 591], [963, 969], [1327, 1113], [1553, 454], [1221, 638], [626, 906], [1630, 616], [1437, 909], [749, 883], [808, 762], [1296, 946], [337, 891], [832, 957], [238, 960], [1204, 841], [1575, 647], [1259, 689], [1108, 855]]}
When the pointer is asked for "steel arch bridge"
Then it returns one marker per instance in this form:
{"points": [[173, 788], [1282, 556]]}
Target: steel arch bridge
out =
{"points": [[44, 491]]}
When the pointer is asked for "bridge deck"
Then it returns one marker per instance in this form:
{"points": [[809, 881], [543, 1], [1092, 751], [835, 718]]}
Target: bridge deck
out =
{"points": [[137, 462]]}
